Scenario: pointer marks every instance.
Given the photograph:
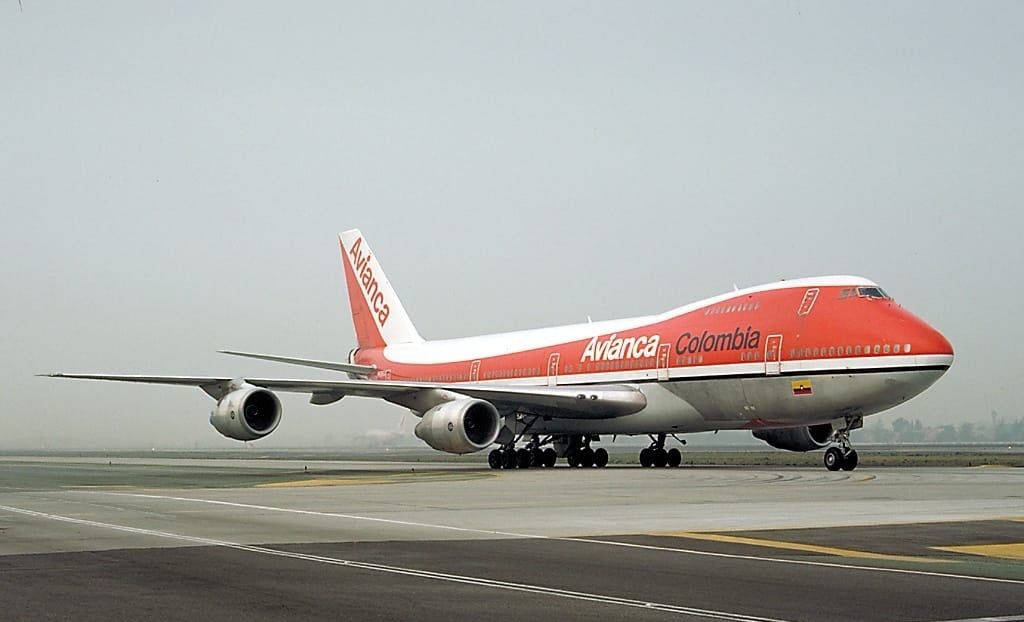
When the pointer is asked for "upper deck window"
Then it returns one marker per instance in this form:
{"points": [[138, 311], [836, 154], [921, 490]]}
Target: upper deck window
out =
{"points": [[872, 292]]}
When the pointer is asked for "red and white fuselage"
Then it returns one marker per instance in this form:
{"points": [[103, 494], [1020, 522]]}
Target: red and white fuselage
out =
{"points": [[783, 354]]}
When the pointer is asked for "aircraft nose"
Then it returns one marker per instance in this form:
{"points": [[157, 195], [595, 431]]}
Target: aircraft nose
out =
{"points": [[931, 341]]}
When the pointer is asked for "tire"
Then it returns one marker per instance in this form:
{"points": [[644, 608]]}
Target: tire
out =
{"points": [[601, 457], [850, 460], [537, 458], [524, 458], [833, 458], [647, 457], [660, 457], [675, 458], [550, 457], [573, 459], [586, 457], [510, 459], [494, 459]]}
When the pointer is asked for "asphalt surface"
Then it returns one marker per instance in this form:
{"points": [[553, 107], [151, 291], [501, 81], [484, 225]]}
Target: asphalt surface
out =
{"points": [[211, 540]]}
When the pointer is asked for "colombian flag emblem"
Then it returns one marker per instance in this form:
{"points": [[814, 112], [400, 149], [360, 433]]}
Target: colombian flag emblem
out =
{"points": [[801, 387]]}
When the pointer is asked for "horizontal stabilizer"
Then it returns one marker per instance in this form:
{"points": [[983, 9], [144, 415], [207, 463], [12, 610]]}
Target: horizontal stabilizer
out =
{"points": [[348, 368]]}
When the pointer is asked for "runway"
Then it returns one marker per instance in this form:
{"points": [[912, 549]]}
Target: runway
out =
{"points": [[244, 540]]}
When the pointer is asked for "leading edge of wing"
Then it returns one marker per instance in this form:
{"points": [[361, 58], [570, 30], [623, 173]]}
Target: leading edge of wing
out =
{"points": [[565, 401], [350, 368]]}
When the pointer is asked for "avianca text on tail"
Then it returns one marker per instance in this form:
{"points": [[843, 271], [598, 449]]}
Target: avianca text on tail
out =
{"points": [[800, 363]]}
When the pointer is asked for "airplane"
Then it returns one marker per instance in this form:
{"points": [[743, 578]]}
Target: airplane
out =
{"points": [[799, 363]]}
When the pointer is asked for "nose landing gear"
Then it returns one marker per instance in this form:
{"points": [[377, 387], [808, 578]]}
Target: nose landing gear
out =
{"points": [[844, 456]]}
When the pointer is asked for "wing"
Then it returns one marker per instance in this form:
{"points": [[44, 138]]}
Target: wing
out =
{"points": [[564, 402], [349, 368]]}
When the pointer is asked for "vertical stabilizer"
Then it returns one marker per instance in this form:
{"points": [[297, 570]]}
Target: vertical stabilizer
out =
{"points": [[377, 313]]}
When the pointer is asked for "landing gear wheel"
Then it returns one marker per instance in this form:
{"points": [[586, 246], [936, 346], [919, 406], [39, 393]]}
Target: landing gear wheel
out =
{"points": [[523, 458], [833, 458], [675, 458], [573, 459], [601, 457], [660, 457], [494, 459], [510, 460], [586, 457], [537, 458], [550, 457], [850, 460], [646, 459]]}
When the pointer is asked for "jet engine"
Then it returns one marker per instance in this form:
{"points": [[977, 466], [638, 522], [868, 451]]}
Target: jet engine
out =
{"points": [[806, 438], [461, 426], [247, 413]]}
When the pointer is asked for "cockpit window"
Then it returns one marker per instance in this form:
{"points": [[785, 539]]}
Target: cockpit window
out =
{"points": [[872, 292]]}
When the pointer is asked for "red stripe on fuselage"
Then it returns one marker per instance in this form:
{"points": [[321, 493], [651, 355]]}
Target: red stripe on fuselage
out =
{"points": [[726, 332]]}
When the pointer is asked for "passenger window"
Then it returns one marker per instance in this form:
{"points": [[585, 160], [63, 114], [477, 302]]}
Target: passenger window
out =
{"points": [[831, 351], [885, 349], [906, 348], [877, 348]]}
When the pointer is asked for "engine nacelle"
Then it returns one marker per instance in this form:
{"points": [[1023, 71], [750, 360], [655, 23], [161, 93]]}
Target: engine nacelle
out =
{"points": [[807, 438], [460, 426], [247, 414]]}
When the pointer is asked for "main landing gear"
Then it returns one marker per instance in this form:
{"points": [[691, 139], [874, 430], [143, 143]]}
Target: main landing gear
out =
{"points": [[576, 449], [508, 457], [656, 456], [842, 457], [584, 456]]}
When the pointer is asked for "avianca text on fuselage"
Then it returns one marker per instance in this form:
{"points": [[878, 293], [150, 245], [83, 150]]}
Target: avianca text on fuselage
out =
{"points": [[614, 348], [361, 265]]}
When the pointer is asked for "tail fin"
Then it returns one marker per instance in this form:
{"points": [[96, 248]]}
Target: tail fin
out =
{"points": [[377, 313]]}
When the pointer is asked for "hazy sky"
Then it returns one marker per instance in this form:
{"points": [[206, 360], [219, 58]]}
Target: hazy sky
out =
{"points": [[173, 177]]}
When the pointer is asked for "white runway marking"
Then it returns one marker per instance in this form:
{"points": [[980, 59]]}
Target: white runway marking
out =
{"points": [[412, 572], [651, 547], [1018, 618]]}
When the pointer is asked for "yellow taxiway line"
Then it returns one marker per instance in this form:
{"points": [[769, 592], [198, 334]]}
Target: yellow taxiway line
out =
{"points": [[326, 481], [798, 546], [1012, 550]]}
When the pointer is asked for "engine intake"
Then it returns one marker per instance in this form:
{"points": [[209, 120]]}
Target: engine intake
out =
{"points": [[807, 438], [247, 414], [460, 426]]}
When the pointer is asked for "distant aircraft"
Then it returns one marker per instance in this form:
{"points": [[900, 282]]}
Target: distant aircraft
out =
{"points": [[800, 363]]}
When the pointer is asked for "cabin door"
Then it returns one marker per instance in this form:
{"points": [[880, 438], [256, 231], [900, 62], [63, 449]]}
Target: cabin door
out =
{"points": [[663, 362], [773, 355], [553, 369]]}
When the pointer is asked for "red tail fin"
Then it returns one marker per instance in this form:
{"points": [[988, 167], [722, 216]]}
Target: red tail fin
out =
{"points": [[377, 313]]}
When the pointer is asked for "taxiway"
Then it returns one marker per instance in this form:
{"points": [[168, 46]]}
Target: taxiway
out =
{"points": [[242, 540]]}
